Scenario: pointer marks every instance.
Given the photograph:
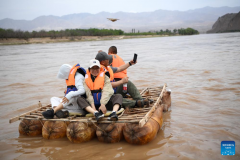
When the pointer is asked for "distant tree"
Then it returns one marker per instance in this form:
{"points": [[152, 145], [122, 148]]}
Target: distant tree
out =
{"points": [[188, 31], [3, 33], [175, 31], [34, 34], [10, 33], [26, 35], [42, 33], [52, 34]]}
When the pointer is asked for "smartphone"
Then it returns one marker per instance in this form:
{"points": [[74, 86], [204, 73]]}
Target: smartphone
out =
{"points": [[135, 58]]}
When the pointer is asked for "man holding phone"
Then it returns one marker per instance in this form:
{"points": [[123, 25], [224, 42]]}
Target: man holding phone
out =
{"points": [[131, 89]]}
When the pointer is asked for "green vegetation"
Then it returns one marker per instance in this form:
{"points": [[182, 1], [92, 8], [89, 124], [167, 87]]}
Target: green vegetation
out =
{"points": [[182, 31], [229, 31], [10, 33], [188, 31]]}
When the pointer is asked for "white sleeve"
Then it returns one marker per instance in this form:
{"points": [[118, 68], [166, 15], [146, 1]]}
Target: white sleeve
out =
{"points": [[79, 79]]}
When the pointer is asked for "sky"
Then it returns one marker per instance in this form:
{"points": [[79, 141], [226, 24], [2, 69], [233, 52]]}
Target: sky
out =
{"points": [[31, 9]]}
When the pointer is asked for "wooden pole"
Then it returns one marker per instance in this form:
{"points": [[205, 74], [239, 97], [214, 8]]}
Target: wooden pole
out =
{"points": [[143, 91], [84, 120], [14, 119], [145, 119]]}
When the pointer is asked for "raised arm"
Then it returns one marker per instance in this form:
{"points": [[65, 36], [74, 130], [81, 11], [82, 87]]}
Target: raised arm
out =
{"points": [[125, 66]]}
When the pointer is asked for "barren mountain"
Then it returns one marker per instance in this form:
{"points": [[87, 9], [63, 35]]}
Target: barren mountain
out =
{"points": [[201, 19], [226, 23]]}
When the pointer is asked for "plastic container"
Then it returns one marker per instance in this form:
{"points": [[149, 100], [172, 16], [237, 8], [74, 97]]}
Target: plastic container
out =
{"points": [[125, 88]]}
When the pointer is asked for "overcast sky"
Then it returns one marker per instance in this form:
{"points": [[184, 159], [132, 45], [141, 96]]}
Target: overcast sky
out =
{"points": [[30, 9]]}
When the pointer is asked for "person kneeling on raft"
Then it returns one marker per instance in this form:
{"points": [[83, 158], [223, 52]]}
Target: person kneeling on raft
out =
{"points": [[99, 92]]}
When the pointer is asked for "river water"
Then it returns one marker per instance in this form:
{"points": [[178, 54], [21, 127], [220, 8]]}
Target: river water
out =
{"points": [[201, 70]]}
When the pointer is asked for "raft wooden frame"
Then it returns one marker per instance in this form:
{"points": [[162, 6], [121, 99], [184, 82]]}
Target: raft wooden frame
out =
{"points": [[134, 115]]}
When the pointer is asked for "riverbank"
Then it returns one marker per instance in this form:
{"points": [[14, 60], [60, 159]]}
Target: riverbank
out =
{"points": [[14, 41]]}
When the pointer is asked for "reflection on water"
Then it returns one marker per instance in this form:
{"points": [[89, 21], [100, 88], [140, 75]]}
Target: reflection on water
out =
{"points": [[202, 72]]}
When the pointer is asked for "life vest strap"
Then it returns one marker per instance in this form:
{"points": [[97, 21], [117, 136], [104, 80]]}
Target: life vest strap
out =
{"points": [[70, 86], [96, 91]]}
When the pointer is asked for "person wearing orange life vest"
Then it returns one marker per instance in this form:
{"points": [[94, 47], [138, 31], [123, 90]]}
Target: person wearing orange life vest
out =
{"points": [[104, 64], [99, 92], [103, 58], [116, 61], [109, 70], [74, 77], [132, 90]]}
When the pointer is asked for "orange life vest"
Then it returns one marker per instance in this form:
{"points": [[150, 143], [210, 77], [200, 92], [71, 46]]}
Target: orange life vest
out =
{"points": [[71, 77], [117, 62], [109, 69], [96, 86]]}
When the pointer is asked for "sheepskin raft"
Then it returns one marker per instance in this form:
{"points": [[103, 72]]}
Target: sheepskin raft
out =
{"points": [[78, 132], [30, 127], [135, 125], [54, 129]]}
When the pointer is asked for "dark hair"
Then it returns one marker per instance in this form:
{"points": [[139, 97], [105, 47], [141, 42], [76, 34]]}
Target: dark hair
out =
{"points": [[112, 49]]}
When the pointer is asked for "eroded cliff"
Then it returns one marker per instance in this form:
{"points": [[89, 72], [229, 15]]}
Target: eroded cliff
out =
{"points": [[228, 23]]}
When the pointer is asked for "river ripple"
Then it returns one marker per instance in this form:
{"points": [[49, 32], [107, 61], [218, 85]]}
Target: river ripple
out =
{"points": [[202, 72]]}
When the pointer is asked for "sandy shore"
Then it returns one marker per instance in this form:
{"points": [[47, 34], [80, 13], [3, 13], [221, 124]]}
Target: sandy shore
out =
{"points": [[13, 41]]}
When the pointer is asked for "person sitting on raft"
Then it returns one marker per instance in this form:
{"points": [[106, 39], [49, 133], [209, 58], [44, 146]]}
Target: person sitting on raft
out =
{"points": [[74, 77], [116, 61], [132, 90], [99, 92]]}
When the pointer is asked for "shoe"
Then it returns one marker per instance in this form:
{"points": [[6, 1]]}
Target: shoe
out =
{"points": [[62, 114], [141, 103], [49, 114], [98, 115], [113, 117], [150, 100]]}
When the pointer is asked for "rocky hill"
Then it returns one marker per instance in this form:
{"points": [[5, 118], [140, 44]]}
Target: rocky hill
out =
{"points": [[200, 19], [227, 23]]}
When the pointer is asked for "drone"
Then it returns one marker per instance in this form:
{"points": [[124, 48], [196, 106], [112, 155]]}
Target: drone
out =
{"points": [[112, 19]]}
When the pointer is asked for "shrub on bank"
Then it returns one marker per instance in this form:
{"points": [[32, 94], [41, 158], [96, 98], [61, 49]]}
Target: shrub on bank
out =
{"points": [[10, 33]]}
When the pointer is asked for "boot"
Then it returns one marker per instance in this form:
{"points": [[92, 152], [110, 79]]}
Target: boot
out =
{"points": [[62, 114], [141, 103], [48, 114]]}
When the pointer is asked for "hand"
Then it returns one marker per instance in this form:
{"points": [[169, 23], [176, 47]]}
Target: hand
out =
{"points": [[65, 100], [103, 108], [133, 62], [124, 80]]}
